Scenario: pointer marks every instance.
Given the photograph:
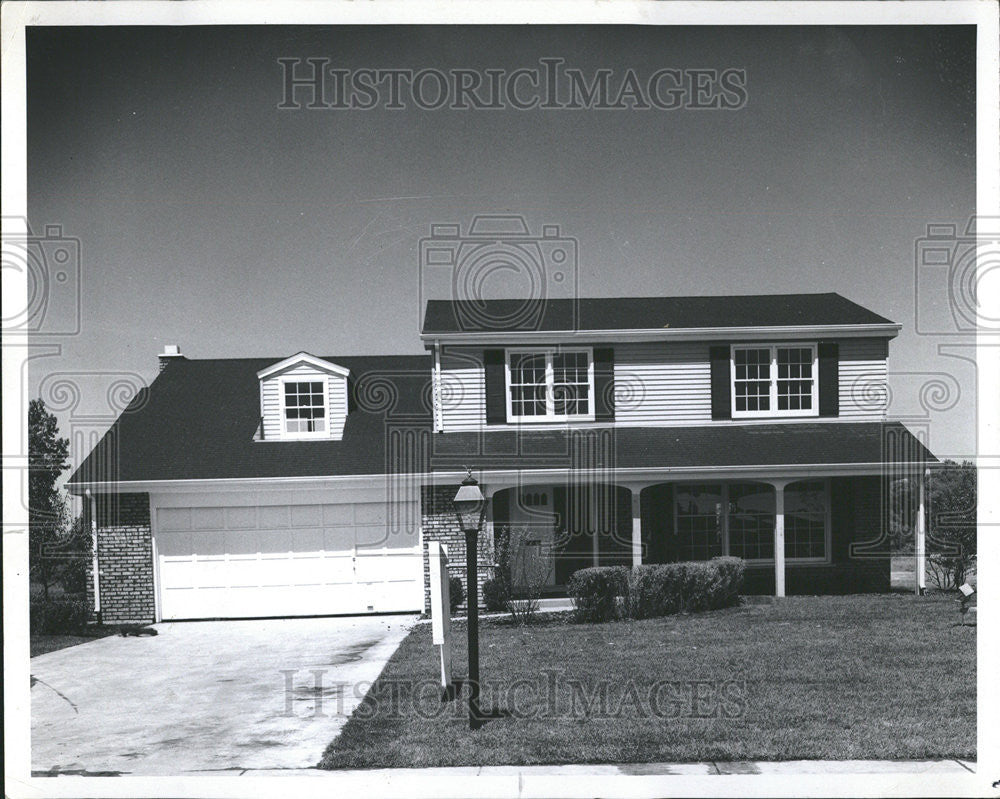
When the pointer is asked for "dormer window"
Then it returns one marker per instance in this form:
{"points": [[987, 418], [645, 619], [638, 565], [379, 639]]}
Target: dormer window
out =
{"points": [[303, 397], [306, 407]]}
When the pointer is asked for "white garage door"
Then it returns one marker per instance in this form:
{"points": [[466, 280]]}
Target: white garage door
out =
{"points": [[287, 560]]}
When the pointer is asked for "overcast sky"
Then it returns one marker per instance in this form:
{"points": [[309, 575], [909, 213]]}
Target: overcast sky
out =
{"points": [[210, 218]]}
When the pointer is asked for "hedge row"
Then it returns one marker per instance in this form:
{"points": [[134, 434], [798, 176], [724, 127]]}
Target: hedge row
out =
{"points": [[58, 616], [602, 593]]}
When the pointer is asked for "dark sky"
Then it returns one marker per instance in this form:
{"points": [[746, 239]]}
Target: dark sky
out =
{"points": [[210, 218]]}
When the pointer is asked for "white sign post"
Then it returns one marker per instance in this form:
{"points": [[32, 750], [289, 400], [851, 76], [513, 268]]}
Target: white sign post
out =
{"points": [[441, 612]]}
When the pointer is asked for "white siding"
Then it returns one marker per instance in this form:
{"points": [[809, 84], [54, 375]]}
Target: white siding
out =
{"points": [[863, 379], [667, 383], [463, 390], [655, 383], [272, 400], [662, 383]]}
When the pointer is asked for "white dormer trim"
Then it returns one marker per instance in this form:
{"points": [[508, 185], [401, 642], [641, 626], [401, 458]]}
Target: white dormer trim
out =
{"points": [[303, 357], [302, 367]]}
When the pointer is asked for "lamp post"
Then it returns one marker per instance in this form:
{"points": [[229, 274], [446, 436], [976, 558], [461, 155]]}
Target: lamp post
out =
{"points": [[470, 508]]}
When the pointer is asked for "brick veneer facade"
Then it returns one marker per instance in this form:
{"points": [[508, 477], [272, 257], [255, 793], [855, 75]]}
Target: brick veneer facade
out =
{"points": [[440, 524], [125, 560]]}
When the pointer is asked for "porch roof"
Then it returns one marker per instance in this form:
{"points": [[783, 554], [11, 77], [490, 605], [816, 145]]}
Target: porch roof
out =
{"points": [[719, 446]]}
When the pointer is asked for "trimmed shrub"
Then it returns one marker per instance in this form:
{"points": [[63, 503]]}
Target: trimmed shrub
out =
{"points": [[595, 592], [74, 576], [663, 589], [495, 595], [456, 593], [59, 616]]}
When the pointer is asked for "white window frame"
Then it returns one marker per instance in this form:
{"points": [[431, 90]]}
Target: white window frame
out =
{"points": [[827, 557], [325, 380], [550, 412], [773, 412]]}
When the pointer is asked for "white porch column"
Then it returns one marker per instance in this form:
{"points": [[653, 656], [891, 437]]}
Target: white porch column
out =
{"points": [[920, 533], [779, 537], [636, 526], [488, 492]]}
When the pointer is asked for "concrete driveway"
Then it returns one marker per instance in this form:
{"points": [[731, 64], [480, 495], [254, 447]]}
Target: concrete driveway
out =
{"points": [[206, 696]]}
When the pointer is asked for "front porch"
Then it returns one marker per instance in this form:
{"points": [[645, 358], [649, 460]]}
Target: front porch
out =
{"points": [[797, 535], [827, 532]]}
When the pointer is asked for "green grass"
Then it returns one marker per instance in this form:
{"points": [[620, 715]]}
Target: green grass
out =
{"points": [[40, 644], [855, 677]]}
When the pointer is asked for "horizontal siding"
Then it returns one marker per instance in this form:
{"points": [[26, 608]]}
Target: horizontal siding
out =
{"points": [[655, 383], [863, 379], [662, 383], [271, 400], [463, 390]]}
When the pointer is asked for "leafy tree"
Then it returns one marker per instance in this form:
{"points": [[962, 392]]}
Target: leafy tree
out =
{"points": [[951, 529], [902, 514], [48, 514]]}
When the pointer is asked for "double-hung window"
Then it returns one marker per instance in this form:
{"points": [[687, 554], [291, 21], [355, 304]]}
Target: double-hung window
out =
{"points": [[304, 408], [550, 385], [774, 380]]}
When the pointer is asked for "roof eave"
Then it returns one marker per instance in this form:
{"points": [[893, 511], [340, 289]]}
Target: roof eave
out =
{"points": [[887, 330], [303, 357]]}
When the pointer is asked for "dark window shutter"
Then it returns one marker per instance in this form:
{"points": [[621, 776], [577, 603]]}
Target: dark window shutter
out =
{"points": [[722, 404], [496, 387], [604, 384], [829, 378]]}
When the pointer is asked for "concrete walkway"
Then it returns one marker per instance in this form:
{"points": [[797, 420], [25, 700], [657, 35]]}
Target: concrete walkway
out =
{"points": [[784, 767], [206, 697]]}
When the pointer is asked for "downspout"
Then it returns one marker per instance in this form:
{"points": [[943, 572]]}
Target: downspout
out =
{"points": [[94, 562], [438, 399]]}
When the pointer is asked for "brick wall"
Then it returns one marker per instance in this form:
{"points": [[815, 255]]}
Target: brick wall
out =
{"points": [[440, 524], [125, 560]]}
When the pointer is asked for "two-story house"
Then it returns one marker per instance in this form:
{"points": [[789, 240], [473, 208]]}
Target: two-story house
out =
{"points": [[603, 431]]}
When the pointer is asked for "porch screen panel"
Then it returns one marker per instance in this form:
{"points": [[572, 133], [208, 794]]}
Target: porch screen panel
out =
{"points": [[805, 520], [751, 521], [698, 521]]}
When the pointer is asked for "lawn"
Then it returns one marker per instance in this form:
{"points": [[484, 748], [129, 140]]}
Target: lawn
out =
{"points": [[856, 677], [40, 644]]}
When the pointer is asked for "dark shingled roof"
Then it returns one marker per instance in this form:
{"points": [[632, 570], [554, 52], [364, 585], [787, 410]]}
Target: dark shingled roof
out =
{"points": [[198, 419], [644, 313]]}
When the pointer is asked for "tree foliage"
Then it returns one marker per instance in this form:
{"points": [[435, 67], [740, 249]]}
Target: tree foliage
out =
{"points": [[48, 513], [951, 529]]}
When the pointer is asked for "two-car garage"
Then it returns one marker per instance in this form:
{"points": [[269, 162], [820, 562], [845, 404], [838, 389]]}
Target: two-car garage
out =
{"points": [[243, 557]]}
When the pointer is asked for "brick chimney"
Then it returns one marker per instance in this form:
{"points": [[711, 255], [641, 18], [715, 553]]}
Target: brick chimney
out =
{"points": [[171, 352]]}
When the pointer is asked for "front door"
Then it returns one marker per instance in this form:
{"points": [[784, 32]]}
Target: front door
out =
{"points": [[532, 537]]}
